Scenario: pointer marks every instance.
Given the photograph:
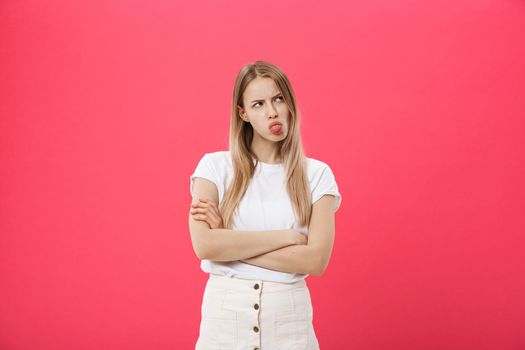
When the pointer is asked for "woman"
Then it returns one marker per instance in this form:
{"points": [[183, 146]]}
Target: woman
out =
{"points": [[261, 221]]}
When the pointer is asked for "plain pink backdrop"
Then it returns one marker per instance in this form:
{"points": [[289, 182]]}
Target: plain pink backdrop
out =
{"points": [[107, 106]]}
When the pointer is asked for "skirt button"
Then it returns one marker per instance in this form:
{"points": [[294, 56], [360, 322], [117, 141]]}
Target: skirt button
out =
{"points": [[256, 286], [256, 329], [256, 306]]}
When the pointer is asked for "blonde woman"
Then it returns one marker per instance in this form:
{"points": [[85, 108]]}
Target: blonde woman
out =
{"points": [[261, 220]]}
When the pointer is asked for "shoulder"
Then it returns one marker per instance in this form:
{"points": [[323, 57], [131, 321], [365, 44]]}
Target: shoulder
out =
{"points": [[218, 157], [322, 181], [217, 161], [315, 166], [319, 172]]}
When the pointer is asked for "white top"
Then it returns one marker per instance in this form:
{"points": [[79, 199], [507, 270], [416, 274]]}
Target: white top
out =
{"points": [[264, 206]]}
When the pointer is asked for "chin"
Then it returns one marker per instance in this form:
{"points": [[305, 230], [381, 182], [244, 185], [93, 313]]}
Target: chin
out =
{"points": [[280, 136]]}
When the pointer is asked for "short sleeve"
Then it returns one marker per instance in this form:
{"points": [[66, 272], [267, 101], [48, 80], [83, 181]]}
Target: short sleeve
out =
{"points": [[325, 184], [206, 170]]}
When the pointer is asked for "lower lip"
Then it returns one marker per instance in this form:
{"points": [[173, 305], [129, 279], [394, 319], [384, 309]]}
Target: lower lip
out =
{"points": [[276, 130]]}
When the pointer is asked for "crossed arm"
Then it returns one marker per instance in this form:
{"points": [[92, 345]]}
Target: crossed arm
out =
{"points": [[295, 258], [310, 258]]}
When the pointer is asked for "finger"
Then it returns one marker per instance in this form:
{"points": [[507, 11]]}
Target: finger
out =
{"points": [[205, 213], [198, 211], [208, 209], [202, 218], [212, 215], [209, 206], [203, 202], [212, 208], [206, 205], [215, 214]]}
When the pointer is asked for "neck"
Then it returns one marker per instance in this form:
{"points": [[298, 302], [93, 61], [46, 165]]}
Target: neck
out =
{"points": [[266, 151]]}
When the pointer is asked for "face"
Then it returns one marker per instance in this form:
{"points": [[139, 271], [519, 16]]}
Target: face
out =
{"points": [[263, 105]]}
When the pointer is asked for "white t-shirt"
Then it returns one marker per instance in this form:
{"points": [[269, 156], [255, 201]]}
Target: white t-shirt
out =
{"points": [[264, 206]]}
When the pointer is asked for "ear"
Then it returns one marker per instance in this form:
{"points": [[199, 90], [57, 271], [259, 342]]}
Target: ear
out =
{"points": [[242, 113]]}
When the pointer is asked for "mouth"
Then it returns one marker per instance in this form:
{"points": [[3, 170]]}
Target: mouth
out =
{"points": [[275, 127]]}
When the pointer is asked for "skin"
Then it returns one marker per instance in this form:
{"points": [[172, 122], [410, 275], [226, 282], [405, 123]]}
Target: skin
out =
{"points": [[309, 258], [269, 107], [206, 210]]}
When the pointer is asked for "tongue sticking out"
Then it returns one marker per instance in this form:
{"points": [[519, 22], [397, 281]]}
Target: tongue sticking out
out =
{"points": [[276, 129]]}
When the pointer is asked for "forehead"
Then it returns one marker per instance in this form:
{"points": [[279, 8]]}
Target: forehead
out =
{"points": [[260, 88]]}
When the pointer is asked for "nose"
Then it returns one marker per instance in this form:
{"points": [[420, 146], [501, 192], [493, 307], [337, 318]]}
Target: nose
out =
{"points": [[272, 111]]}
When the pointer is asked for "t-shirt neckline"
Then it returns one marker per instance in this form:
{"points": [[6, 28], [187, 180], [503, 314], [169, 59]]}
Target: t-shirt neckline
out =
{"points": [[270, 166]]}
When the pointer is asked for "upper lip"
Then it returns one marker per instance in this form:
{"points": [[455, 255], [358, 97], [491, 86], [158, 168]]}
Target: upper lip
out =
{"points": [[275, 122]]}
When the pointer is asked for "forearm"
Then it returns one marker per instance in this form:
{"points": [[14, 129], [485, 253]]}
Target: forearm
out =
{"points": [[229, 245], [294, 258]]}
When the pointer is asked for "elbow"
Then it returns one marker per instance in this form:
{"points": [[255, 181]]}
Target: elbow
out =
{"points": [[319, 267], [317, 271], [198, 250], [204, 251], [200, 244], [201, 254]]}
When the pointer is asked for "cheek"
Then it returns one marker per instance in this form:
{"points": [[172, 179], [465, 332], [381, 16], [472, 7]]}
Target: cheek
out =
{"points": [[283, 110], [257, 119], [258, 125], [256, 115]]}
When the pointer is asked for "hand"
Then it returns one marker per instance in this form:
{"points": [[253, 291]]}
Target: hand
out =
{"points": [[208, 211], [298, 237]]}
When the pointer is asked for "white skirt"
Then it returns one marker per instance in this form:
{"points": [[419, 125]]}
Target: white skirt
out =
{"points": [[255, 314]]}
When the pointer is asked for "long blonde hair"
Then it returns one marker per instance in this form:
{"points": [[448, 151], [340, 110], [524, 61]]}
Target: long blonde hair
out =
{"points": [[290, 149]]}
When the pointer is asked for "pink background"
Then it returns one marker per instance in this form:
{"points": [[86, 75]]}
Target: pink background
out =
{"points": [[107, 106]]}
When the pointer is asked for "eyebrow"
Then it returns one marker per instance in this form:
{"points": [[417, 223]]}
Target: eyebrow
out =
{"points": [[263, 100]]}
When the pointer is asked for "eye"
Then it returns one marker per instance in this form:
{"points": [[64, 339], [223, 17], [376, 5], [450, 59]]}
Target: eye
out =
{"points": [[277, 97]]}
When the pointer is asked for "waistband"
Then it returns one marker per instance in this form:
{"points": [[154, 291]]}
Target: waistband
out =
{"points": [[241, 284]]}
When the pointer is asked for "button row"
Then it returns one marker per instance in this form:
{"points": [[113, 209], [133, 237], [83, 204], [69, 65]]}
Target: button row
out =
{"points": [[256, 307]]}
